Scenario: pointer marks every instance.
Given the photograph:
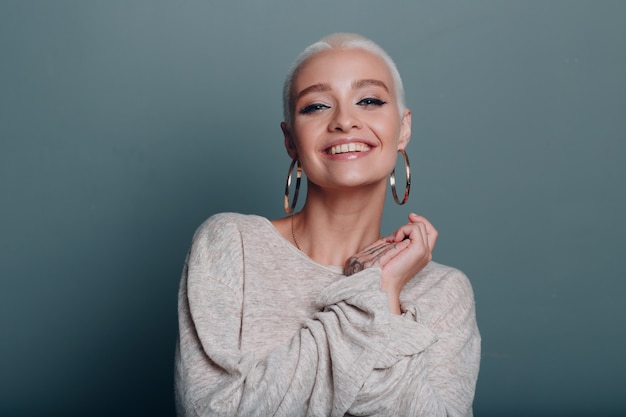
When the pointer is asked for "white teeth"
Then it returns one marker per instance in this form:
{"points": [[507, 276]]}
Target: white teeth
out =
{"points": [[349, 147]]}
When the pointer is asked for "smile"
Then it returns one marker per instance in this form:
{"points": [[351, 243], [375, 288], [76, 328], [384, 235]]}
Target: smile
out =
{"points": [[348, 147]]}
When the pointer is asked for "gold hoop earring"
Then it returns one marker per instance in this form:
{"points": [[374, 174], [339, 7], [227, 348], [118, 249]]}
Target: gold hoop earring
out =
{"points": [[392, 180], [290, 207]]}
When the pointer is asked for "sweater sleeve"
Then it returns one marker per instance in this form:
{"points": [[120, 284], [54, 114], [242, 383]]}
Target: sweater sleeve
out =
{"points": [[318, 372], [440, 380]]}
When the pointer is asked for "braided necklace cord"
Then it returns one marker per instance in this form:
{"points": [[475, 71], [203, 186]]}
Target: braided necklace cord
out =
{"points": [[293, 234]]}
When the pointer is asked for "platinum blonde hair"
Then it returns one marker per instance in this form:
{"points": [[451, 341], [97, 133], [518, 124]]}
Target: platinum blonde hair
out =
{"points": [[338, 41]]}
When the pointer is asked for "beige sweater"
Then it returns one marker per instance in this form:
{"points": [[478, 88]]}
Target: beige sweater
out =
{"points": [[266, 331]]}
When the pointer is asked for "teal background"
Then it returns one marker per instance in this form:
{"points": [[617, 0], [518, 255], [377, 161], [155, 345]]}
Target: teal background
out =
{"points": [[124, 124]]}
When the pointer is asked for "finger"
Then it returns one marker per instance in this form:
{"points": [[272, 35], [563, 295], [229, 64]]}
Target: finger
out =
{"points": [[416, 218], [433, 234], [376, 244], [374, 250], [418, 236], [385, 255], [374, 256], [386, 252], [412, 231]]}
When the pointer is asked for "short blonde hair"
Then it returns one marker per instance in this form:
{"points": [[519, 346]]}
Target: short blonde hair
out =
{"points": [[338, 41]]}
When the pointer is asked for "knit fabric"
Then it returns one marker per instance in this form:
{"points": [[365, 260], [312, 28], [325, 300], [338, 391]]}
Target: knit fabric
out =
{"points": [[266, 331]]}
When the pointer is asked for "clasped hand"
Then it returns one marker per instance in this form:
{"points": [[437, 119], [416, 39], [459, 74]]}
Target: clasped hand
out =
{"points": [[400, 256]]}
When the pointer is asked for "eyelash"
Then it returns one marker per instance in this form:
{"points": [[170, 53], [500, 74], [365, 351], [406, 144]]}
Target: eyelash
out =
{"points": [[366, 102], [313, 108], [371, 102]]}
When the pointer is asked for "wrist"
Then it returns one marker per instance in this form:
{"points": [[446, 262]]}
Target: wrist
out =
{"points": [[393, 298]]}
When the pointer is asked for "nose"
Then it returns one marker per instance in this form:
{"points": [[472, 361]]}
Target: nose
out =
{"points": [[344, 119]]}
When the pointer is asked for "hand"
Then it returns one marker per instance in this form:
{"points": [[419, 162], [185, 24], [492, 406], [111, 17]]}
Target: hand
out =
{"points": [[421, 237], [401, 256], [378, 254]]}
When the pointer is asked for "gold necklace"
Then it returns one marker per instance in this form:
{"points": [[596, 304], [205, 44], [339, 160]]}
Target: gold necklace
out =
{"points": [[293, 234]]}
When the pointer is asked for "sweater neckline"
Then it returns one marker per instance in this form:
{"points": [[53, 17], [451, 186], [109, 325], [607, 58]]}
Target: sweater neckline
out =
{"points": [[337, 269]]}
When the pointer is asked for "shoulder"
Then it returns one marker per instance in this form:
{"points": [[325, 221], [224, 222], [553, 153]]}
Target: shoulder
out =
{"points": [[439, 276], [229, 220], [223, 225], [439, 288], [221, 236], [216, 253]]}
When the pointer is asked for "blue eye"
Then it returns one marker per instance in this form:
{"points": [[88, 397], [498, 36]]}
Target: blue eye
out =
{"points": [[371, 102], [313, 108]]}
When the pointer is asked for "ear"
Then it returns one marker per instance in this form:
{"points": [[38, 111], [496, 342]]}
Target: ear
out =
{"points": [[405, 130], [290, 145]]}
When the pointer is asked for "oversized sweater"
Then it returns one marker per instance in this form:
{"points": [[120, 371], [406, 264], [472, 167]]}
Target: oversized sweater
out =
{"points": [[266, 331]]}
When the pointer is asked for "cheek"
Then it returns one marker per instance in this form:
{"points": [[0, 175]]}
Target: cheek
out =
{"points": [[388, 131], [300, 128], [390, 160], [306, 134]]}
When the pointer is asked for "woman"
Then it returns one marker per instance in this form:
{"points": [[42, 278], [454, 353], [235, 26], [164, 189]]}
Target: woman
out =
{"points": [[315, 314]]}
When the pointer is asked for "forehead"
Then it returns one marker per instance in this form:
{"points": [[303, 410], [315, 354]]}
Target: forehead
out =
{"points": [[340, 66]]}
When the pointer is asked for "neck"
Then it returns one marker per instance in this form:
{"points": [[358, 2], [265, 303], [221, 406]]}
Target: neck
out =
{"points": [[334, 225]]}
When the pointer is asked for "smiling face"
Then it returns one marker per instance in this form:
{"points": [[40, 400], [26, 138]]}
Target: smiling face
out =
{"points": [[346, 127]]}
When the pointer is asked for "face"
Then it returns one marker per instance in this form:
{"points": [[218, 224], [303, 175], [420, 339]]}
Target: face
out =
{"points": [[346, 128]]}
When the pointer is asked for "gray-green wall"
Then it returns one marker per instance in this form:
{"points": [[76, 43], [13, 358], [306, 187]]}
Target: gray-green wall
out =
{"points": [[124, 124]]}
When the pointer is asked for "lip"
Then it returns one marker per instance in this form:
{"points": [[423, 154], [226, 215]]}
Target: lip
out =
{"points": [[348, 155]]}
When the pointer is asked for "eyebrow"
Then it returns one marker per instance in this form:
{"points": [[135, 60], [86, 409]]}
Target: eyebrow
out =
{"points": [[314, 89], [369, 82], [321, 87]]}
